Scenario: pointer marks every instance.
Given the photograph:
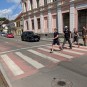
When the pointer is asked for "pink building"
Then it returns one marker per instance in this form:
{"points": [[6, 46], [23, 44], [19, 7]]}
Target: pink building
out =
{"points": [[42, 16]]}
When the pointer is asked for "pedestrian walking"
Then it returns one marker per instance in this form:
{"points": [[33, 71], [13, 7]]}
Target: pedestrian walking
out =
{"points": [[55, 40], [67, 36], [75, 37], [84, 35]]}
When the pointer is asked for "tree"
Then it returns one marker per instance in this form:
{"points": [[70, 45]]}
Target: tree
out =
{"points": [[3, 19]]}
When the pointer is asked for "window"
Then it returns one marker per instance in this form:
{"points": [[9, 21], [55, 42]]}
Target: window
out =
{"points": [[37, 3], [45, 2], [32, 24], [82, 19], [38, 22], [31, 4], [18, 24], [25, 4], [27, 25], [54, 0]]}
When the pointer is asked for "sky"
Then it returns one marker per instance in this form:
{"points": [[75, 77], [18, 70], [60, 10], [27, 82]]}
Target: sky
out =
{"points": [[10, 8]]}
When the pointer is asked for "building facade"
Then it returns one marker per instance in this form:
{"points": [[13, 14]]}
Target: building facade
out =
{"points": [[42, 16], [18, 24]]}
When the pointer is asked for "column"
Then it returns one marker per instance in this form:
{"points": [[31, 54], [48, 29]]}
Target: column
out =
{"points": [[29, 5], [35, 24], [42, 22], [76, 19], [30, 24], [34, 4], [48, 1], [72, 16], [51, 0], [22, 6], [41, 2], [59, 20], [49, 21]]}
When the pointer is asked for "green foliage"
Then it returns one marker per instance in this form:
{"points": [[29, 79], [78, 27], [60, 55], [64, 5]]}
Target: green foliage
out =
{"points": [[3, 19]]}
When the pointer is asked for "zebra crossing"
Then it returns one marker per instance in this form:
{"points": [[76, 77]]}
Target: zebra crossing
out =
{"points": [[29, 60], [12, 66], [23, 65]]}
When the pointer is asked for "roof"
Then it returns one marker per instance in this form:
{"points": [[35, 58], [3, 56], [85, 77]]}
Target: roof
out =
{"points": [[19, 16]]}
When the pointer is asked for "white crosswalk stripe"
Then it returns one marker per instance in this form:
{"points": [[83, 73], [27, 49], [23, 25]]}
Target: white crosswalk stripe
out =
{"points": [[41, 52], [58, 53], [81, 46], [74, 52], [80, 49], [69, 51], [44, 56], [30, 60], [12, 66]]}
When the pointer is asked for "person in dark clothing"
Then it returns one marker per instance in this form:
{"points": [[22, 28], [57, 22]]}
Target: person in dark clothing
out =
{"points": [[55, 40], [84, 35], [67, 36], [76, 37]]}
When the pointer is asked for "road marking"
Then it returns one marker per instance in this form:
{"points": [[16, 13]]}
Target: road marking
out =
{"points": [[12, 66], [5, 75], [81, 46], [57, 53], [30, 60], [74, 52], [21, 49], [80, 49], [44, 56], [6, 42]]}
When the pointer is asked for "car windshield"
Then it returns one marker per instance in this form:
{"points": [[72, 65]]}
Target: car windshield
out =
{"points": [[3, 33], [30, 32]]}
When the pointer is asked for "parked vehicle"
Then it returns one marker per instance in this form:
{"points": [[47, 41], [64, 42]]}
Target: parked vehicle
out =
{"points": [[3, 34], [10, 35], [29, 36]]}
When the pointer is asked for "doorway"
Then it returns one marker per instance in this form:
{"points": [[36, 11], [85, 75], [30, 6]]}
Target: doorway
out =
{"points": [[82, 19]]}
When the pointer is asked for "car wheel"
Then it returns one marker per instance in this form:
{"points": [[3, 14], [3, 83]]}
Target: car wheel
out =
{"points": [[37, 39]]}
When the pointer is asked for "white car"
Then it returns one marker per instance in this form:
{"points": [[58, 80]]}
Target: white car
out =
{"points": [[3, 34]]}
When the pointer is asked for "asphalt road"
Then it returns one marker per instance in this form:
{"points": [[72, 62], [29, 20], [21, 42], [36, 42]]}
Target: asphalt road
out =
{"points": [[69, 67]]}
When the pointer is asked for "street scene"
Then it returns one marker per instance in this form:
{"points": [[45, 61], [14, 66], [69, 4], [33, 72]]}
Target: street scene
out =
{"points": [[43, 43], [31, 63]]}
